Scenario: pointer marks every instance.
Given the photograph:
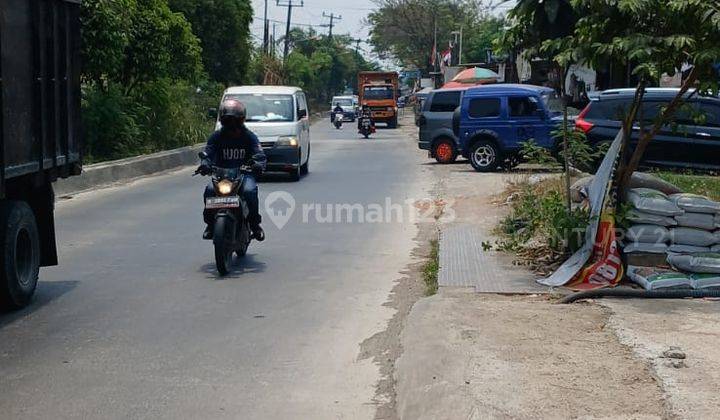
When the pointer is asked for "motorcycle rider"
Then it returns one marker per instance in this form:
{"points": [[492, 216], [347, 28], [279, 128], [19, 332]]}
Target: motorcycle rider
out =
{"points": [[365, 114], [232, 147], [337, 109]]}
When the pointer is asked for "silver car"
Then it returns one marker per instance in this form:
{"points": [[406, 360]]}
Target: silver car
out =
{"points": [[435, 122]]}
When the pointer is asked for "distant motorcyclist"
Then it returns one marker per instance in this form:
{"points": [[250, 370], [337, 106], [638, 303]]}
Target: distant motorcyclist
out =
{"points": [[233, 146], [337, 109], [365, 114]]}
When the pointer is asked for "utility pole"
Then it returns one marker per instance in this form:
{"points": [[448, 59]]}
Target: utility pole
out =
{"points": [[330, 25], [266, 30], [289, 4], [434, 59], [357, 47], [274, 40]]}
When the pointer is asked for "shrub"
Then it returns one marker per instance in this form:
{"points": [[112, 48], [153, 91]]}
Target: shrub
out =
{"points": [[581, 154], [539, 228], [110, 124], [155, 116]]}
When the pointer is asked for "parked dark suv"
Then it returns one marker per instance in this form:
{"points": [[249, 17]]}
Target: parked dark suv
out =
{"points": [[692, 141], [435, 122]]}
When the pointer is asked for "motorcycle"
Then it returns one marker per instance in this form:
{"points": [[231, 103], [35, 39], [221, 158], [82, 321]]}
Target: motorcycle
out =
{"points": [[231, 231], [366, 127], [338, 120]]}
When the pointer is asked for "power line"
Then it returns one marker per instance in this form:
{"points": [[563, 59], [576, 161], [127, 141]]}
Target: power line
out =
{"points": [[289, 4], [309, 25]]}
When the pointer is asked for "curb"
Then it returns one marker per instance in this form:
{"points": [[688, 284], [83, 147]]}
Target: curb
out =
{"points": [[107, 173]]}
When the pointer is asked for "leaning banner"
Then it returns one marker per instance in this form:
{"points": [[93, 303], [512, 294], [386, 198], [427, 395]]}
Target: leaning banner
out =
{"points": [[597, 264]]}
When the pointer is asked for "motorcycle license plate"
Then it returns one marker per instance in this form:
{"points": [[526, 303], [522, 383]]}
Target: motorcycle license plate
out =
{"points": [[222, 202]]}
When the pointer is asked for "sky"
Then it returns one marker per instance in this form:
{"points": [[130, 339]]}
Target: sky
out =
{"points": [[353, 15]]}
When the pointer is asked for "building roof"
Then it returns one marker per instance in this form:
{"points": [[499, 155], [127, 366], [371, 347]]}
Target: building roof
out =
{"points": [[279, 90]]}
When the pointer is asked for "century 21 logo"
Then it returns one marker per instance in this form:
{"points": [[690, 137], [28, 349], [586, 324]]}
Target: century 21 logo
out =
{"points": [[233, 154]]}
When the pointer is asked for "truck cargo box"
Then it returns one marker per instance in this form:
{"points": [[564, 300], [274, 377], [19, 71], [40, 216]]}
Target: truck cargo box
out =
{"points": [[39, 89]]}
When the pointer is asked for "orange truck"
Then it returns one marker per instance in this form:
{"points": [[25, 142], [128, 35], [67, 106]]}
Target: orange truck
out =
{"points": [[378, 90]]}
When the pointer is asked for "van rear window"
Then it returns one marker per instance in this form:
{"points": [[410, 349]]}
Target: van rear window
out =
{"points": [[484, 107], [445, 101]]}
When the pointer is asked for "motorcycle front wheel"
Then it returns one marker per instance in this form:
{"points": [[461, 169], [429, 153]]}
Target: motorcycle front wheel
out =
{"points": [[223, 250]]}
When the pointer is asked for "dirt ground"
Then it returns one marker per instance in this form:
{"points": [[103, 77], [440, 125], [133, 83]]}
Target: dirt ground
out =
{"points": [[470, 356], [476, 356], [692, 328]]}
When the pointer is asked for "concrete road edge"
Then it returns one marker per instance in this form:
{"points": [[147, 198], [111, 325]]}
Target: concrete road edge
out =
{"points": [[108, 173]]}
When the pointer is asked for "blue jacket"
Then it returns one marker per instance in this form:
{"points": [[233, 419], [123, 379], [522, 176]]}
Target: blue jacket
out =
{"points": [[227, 149]]}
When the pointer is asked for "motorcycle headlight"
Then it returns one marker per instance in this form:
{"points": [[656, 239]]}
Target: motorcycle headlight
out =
{"points": [[287, 141], [225, 187]]}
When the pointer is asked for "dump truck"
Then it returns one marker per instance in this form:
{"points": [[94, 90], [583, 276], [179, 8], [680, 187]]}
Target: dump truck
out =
{"points": [[379, 90], [39, 134]]}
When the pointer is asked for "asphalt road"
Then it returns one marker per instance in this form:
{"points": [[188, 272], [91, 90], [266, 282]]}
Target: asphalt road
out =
{"points": [[135, 323]]}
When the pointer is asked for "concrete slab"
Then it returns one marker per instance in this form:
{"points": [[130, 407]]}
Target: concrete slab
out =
{"points": [[464, 262]]}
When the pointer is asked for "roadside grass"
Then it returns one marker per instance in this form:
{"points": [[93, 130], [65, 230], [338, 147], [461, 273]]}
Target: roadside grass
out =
{"points": [[431, 268], [706, 185], [538, 229]]}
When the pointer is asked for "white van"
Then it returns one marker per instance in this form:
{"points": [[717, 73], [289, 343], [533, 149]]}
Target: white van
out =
{"points": [[279, 116], [349, 105]]}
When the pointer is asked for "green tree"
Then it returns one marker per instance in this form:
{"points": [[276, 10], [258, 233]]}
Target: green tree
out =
{"points": [[223, 27], [405, 29], [105, 34], [656, 37], [142, 67], [323, 67], [479, 36]]}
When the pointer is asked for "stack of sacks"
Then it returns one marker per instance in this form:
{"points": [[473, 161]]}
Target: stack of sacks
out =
{"points": [[682, 228], [696, 231], [696, 240], [653, 217]]}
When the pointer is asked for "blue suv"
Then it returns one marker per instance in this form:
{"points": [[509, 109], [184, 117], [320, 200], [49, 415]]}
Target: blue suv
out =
{"points": [[493, 121]]}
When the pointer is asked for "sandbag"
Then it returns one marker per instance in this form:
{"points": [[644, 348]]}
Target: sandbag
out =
{"points": [[717, 221], [651, 234], [691, 236], [715, 248], [652, 201], [645, 180], [702, 262], [639, 217], [652, 278], [705, 280], [579, 189], [646, 259], [704, 221], [653, 248], [686, 249], [695, 203]]}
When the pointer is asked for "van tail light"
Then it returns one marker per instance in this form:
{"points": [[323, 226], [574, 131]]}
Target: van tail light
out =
{"points": [[581, 123]]}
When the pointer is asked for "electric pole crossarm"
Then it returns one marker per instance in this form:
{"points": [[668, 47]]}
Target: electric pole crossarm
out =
{"points": [[333, 17]]}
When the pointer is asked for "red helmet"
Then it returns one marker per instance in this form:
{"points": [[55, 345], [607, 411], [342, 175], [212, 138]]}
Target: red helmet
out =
{"points": [[232, 111]]}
